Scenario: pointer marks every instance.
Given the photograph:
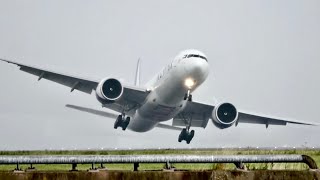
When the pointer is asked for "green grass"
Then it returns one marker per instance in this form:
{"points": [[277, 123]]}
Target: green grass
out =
{"points": [[315, 154]]}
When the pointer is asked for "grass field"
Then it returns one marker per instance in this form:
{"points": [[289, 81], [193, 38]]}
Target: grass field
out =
{"points": [[315, 154]]}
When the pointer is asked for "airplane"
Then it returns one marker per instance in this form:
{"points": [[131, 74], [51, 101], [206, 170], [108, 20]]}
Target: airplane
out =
{"points": [[167, 96]]}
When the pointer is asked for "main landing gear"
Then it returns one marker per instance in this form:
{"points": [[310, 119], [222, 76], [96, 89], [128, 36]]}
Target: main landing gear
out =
{"points": [[186, 135], [122, 121], [188, 96]]}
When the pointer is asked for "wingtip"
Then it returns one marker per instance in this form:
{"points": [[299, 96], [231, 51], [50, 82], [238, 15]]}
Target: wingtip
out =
{"points": [[3, 60], [7, 61]]}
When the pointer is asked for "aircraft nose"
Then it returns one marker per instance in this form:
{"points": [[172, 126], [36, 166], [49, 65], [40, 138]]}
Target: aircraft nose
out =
{"points": [[200, 68]]}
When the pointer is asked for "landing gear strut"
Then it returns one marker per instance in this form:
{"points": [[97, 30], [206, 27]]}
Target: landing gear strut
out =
{"points": [[186, 135], [122, 121], [188, 96]]}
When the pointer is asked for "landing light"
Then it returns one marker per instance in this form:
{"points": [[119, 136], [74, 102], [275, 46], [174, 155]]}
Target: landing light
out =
{"points": [[189, 82]]}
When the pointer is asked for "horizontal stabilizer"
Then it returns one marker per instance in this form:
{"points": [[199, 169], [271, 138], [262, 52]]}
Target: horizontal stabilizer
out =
{"points": [[165, 126], [93, 111], [114, 116]]}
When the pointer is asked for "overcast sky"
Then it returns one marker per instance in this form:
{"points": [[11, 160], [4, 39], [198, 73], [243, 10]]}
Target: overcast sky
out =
{"points": [[263, 55]]}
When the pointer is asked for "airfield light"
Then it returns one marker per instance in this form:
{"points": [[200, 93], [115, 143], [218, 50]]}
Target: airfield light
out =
{"points": [[189, 82]]}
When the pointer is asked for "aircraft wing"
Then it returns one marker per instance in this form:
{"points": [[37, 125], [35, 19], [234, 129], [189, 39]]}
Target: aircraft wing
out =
{"points": [[198, 114], [81, 84], [258, 119], [130, 94]]}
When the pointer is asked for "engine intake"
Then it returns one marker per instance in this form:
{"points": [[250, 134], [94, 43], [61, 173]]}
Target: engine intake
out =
{"points": [[109, 89], [224, 115]]}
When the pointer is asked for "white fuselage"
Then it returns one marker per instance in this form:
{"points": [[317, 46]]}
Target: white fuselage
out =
{"points": [[168, 89]]}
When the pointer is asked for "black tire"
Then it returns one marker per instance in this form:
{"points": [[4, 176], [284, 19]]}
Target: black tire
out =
{"points": [[184, 132], [185, 96], [127, 121], [190, 136], [192, 133], [117, 122], [179, 139]]}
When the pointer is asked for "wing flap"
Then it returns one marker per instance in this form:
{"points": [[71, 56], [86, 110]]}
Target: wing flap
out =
{"points": [[134, 94]]}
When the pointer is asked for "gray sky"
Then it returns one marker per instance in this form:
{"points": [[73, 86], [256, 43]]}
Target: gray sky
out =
{"points": [[264, 57]]}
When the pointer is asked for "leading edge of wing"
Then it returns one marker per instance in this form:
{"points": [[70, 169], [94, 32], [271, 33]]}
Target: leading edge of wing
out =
{"points": [[48, 70], [91, 81], [263, 119]]}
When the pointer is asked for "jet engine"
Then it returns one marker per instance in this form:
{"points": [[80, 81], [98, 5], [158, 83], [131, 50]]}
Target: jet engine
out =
{"points": [[224, 115], [109, 90]]}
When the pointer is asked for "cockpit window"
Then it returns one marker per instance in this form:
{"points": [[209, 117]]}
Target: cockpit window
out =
{"points": [[195, 55]]}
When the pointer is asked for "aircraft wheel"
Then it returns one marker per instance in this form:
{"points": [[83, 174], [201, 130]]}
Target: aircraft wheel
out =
{"points": [[117, 122], [184, 132], [185, 97], [192, 134], [125, 123]]}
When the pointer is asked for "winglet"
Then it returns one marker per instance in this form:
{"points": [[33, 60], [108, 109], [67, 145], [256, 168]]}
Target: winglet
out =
{"points": [[137, 80]]}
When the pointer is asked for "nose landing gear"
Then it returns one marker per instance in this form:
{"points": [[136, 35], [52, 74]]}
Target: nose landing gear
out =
{"points": [[122, 121], [186, 135], [188, 96]]}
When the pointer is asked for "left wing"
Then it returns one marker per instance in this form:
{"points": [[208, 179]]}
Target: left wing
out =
{"points": [[198, 114], [257, 119]]}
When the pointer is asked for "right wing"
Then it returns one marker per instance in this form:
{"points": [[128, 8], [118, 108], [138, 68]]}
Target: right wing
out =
{"points": [[131, 95], [73, 82]]}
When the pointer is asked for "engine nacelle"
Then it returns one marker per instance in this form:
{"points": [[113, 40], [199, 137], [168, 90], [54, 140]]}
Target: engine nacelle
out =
{"points": [[109, 89], [224, 115]]}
